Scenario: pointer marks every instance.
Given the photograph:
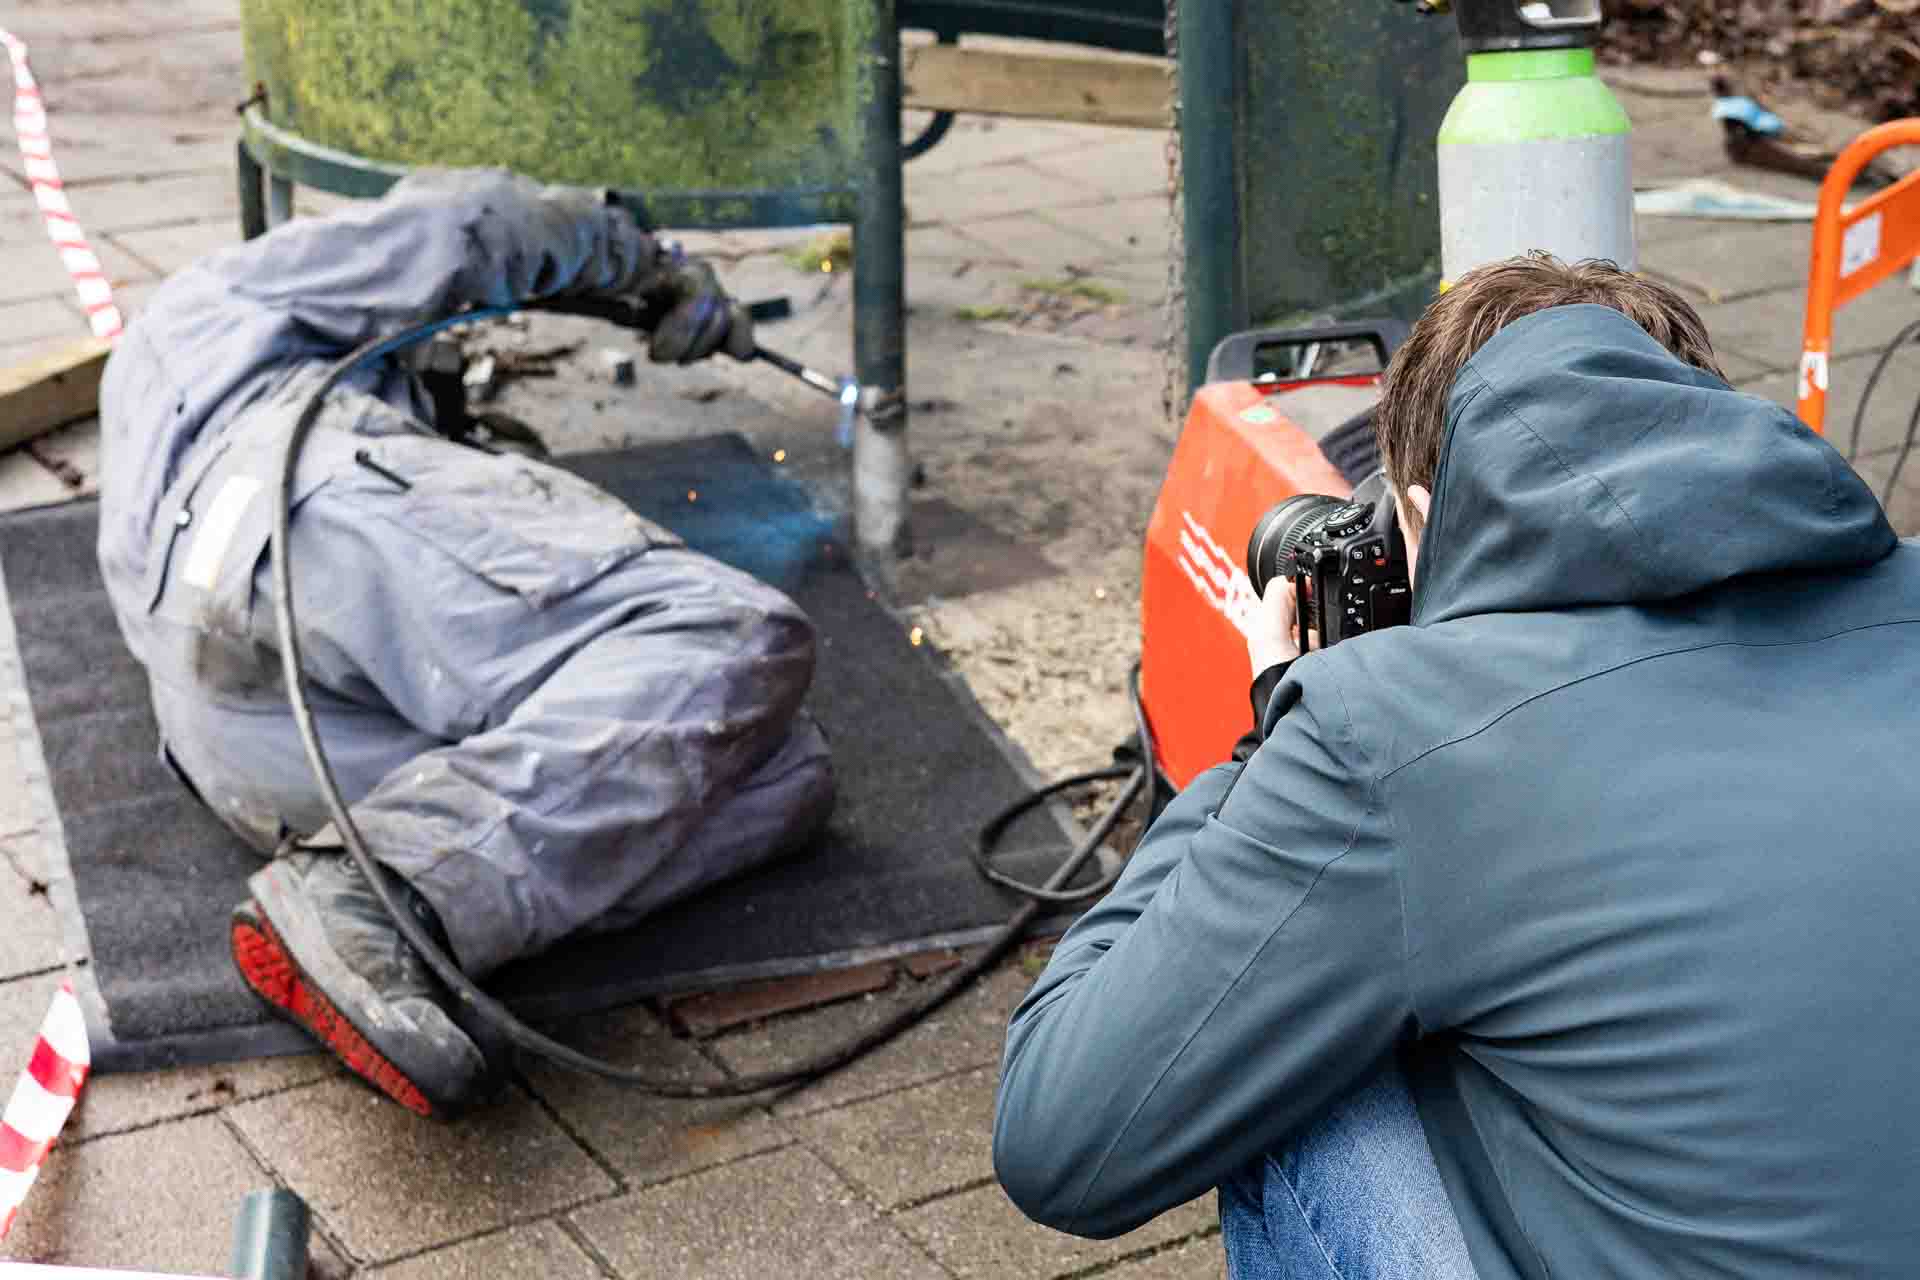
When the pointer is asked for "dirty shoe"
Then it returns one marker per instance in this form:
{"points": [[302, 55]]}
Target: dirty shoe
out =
{"points": [[314, 943]]}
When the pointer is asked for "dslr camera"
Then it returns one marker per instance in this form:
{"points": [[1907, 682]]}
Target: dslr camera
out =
{"points": [[1346, 557]]}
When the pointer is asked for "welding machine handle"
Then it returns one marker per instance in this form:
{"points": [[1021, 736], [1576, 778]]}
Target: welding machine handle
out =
{"points": [[1233, 359]]}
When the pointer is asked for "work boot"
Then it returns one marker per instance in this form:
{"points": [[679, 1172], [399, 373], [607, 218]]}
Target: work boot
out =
{"points": [[315, 943]]}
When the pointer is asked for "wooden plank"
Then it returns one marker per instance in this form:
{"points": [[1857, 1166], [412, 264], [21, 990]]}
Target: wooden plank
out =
{"points": [[1114, 91], [51, 391]]}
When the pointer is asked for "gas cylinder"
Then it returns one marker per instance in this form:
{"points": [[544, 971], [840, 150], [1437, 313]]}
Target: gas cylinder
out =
{"points": [[1535, 150]]}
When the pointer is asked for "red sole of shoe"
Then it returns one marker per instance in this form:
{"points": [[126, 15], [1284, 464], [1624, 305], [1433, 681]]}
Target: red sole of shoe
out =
{"points": [[264, 963]]}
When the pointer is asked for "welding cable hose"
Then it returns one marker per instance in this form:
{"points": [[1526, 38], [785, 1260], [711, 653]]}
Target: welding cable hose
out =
{"points": [[448, 971]]}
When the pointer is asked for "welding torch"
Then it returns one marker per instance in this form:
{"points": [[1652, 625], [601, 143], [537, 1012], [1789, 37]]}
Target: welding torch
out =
{"points": [[636, 313]]}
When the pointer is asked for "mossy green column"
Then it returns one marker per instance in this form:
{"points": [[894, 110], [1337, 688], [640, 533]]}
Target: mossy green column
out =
{"points": [[650, 95]]}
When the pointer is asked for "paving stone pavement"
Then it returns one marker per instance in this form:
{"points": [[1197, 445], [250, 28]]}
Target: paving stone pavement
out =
{"points": [[881, 1170]]}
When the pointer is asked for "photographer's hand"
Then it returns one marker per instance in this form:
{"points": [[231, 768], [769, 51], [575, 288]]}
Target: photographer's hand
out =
{"points": [[1275, 639]]}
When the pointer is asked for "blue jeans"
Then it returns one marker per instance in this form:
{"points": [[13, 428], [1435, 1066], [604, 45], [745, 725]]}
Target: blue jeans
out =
{"points": [[1355, 1197]]}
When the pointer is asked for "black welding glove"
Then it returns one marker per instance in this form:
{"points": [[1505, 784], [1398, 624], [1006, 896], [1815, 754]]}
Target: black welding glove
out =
{"points": [[697, 316]]}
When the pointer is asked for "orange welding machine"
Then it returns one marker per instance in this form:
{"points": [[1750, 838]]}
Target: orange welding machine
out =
{"points": [[1282, 412]]}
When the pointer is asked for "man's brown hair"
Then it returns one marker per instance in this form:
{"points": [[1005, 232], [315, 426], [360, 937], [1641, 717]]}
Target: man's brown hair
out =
{"points": [[1412, 416]]}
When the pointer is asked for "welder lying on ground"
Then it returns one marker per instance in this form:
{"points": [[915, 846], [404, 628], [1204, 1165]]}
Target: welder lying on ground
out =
{"points": [[547, 715], [1608, 860]]}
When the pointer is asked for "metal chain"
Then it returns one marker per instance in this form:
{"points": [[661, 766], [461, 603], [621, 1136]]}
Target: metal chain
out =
{"points": [[1173, 390]]}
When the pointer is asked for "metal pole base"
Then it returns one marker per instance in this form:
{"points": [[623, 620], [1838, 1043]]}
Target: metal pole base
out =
{"points": [[270, 1237], [882, 479]]}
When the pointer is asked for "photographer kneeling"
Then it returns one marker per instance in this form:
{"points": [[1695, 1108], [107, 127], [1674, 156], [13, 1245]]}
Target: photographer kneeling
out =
{"points": [[1569, 930]]}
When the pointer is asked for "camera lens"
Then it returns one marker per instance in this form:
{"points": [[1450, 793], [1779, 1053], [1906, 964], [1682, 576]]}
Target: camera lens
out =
{"points": [[1281, 531]]}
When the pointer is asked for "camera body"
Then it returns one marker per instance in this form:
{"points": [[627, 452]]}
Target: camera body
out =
{"points": [[1346, 557], [1275, 418]]}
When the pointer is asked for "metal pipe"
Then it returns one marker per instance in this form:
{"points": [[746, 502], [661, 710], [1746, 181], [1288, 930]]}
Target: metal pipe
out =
{"points": [[253, 195], [882, 466], [270, 1237], [812, 377]]}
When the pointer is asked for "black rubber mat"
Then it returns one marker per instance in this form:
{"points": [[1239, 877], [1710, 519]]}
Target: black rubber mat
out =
{"points": [[152, 876]]}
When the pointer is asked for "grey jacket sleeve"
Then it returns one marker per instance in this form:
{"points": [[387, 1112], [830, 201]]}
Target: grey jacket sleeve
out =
{"points": [[316, 288], [440, 240], [1245, 971], [226, 333]]}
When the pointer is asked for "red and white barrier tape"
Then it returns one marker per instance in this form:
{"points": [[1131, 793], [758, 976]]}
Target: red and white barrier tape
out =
{"points": [[36, 148], [42, 1101]]}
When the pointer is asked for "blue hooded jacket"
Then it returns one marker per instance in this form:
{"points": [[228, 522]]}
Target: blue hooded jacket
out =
{"points": [[1616, 845]]}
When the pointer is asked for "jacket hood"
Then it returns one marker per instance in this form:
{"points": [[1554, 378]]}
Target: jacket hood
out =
{"points": [[1584, 464]]}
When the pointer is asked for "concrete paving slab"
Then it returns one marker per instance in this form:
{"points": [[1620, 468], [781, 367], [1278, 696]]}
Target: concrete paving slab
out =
{"points": [[967, 1034], [1198, 1260], [141, 203], [23, 1005], [984, 191], [1894, 399], [324, 1260], [26, 852], [123, 1101], [48, 314], [1649, 231], [1039, 244], [25, 483], [71, 64], [1680, 144], [1132, 164], [95, 149], [909, 1147], [56, 21], [113, 1104], [1723, 263], [1138, 228], [18, 813], [539, 1249], [649, 1139], [1740, 368], [1768, 327], [1903, 504], [1144, 279], [20, 220], [41, 275], [165, 250], [981, 1233], [784, 1214], [388, 1183], [31, 940], [956, 555], [936, 248], [159, 1199]]}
